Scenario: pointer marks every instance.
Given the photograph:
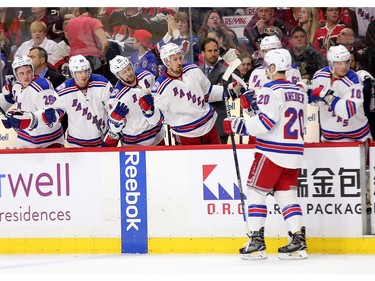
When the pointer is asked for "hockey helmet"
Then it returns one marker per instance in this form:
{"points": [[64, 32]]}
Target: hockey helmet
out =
{"points": [[168, 50], [117, 64], [270, 42], [79, 63], [281, 58], [337, 54], [22, 61]]}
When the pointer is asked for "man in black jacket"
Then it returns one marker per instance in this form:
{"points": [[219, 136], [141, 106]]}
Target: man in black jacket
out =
{"points": [[214, 69], [39, 57]]}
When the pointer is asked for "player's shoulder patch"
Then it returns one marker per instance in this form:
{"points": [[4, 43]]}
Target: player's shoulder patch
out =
{"points": [[114, 93], [60, 87], [155, 87]]}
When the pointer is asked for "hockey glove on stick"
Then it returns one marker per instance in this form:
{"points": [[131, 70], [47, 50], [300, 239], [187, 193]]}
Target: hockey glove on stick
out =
{"points": [[146, 103], [232, 91], [322, 94], [21, 120], [234, 125]]}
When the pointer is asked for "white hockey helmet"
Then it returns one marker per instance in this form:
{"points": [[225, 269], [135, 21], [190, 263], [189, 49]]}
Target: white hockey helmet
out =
{"points": [[270, 42], [281, 58], [78, 63], [118, 63], [337, 54], [22, 61], [168, 50]]}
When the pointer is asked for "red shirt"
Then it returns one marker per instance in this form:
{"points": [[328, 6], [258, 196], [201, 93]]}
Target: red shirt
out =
{"points": [[325, 38], [82, 38]]}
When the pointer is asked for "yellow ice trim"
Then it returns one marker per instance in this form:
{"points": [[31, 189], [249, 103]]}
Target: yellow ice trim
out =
{"points": [[60, 245], [186, 245]]}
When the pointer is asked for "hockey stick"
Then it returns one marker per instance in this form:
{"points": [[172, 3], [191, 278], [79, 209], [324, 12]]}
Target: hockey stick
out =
{"points": [[234, 149], [243, 83], [226, 75]]}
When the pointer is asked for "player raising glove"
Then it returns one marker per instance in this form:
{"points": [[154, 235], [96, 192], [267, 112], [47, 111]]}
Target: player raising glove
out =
{"points": [[235, 125], [248, 101], [21, 120], [51, 115], [117, 120], [146, 103], [322, 94]]}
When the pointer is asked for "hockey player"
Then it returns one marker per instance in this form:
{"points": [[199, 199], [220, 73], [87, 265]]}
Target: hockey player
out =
{"points": [[24, 102], [338, 92], [131, 125], [181, 95], [259, 77], [279, 149], [85, 99]]}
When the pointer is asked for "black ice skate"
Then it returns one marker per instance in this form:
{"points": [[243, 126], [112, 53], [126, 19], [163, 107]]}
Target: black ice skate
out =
{"points": [[255, 248], [296, 249]]}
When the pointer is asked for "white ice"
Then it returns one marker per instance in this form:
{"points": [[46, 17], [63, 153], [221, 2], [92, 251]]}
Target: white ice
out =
{"points": [[174, 267]]}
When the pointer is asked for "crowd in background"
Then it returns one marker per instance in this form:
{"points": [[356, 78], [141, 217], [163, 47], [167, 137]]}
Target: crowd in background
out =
{"points": [[139, 33]]}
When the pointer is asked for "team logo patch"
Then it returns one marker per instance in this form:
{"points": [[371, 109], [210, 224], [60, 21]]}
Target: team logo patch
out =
{"points": [[62, 86]]}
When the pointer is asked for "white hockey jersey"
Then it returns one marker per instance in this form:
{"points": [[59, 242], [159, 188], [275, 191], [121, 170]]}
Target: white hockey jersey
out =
{"points": [[278, 126], [345, 119], [137, 130], [183, 102], [34, 98], [87, 112], [259, 77]]}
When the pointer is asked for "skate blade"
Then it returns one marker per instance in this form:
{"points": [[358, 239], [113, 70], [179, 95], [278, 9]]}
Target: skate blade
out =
{"points": [[297, 255], [261, 255]]}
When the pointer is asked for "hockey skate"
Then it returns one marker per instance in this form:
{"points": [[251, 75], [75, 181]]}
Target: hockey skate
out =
{"points": [[255, 248], [296, 249]]}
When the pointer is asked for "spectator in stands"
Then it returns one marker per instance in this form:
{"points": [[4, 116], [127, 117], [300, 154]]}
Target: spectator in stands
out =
{"points": [[326, 36], [304, 55], [39, 38], [9, 31], [213, 19], [291, 18], [144, 57], [346, 38], [227, 49], [39, 58], [132, 18], [179, 33], [308, 20], [85, 33], [50, 16], [246, 67], [267, 18]]}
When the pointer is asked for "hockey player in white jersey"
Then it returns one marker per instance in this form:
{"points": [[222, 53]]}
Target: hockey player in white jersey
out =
{"points": [[279, 150], [258, 76], [130, 126], [85, 99], [338, 92], [24, 102], [181, 95]]}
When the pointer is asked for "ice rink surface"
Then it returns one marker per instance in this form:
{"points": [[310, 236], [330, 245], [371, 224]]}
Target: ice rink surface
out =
{"points": [[174, 267]]}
